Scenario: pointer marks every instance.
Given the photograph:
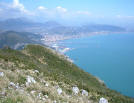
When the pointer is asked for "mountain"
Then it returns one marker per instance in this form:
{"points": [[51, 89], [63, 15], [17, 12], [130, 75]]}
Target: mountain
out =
{"points": [[52, 27], [38, 74], [11, 24], [17, 40], [101, 28], [25, 25]]}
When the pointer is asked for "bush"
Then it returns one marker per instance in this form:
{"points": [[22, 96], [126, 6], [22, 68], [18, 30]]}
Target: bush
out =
{"points": [[21, 80]]}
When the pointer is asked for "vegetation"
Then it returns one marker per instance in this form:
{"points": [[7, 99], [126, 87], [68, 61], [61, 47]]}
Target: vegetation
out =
{"points": [[17, 40], [54, 68]]}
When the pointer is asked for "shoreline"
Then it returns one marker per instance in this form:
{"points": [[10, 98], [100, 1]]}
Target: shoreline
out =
{"points": [[99, 34], [52, 41], [49, 39]]}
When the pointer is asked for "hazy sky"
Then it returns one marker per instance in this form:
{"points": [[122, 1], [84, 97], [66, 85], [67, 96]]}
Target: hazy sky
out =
{"points": [[93, 11]]}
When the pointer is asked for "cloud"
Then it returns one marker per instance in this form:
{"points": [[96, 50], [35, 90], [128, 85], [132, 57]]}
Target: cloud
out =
{"points": [[51, 14], [61, 9], [41, 8], [17, 4], [84, 13], [61, 13], [55, 11], [13, 10], [124, 17], [16, 9]]}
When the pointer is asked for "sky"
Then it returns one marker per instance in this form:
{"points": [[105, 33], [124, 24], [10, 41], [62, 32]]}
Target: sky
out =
{"points": [[120, 12]]}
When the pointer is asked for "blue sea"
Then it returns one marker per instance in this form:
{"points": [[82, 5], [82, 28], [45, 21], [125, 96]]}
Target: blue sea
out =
{"points": [[109, 57]]}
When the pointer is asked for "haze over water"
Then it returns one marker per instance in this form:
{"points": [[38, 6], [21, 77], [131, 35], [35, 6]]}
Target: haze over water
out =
{"points": [[109, 57]]}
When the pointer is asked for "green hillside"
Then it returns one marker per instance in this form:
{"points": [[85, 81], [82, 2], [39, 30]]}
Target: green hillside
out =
{"points": [[54, 69], [17, 39]]}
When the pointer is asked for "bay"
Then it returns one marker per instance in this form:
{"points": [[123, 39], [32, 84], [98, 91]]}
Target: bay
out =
{"points": [[109, 57]]}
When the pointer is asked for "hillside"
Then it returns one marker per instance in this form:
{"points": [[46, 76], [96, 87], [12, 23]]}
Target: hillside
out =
{"points": [[17, 40], [38, 74]]}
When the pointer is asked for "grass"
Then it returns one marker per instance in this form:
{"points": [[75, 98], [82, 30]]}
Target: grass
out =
{"points": [[11, 100], [56, 68]]}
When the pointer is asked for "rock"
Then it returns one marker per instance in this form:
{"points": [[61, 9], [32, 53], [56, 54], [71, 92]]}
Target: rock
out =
{"points": [[39, 96], [30, 80], [12, 84], [54, 101], [59, 90], [75, 90], [89, 102], [101, 81], [36, 71], [84, 92], [43, 99], [46, 96], [103, 100], [32, 92], [2, 94], [17, 86], [1, 74], [46, 84]]}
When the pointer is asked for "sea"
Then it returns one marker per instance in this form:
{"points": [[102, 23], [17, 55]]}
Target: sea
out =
{"points": [[109, 57]]}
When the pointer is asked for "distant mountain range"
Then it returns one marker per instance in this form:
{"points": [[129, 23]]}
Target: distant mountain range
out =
{"points": [[18, 32], [52, 27]]}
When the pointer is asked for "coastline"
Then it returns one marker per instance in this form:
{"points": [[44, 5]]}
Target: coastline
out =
{"points": [[60, 47], [52, 41], [49, 39]]}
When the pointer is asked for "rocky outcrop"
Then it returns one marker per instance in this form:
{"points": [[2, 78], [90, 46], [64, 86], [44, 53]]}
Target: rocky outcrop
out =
{"points": [[103, 100], [1, 74], [75, 90], [30, 80], [59, 90], [84, 93]]}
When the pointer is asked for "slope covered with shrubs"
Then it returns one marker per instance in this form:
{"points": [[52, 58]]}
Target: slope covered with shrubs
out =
{"points": [[37, 74]]}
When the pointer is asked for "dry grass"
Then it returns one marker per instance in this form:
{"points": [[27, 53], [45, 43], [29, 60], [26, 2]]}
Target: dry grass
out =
{"points": [[24, 94]]}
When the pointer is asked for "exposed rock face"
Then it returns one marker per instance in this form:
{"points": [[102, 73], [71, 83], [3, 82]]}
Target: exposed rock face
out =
{"points": [[30, 80], [1, 74], [59, 90], [84, 92], [75, 90], [103, 100]]}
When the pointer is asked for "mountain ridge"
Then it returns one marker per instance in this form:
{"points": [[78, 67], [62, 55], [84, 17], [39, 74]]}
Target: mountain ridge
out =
{"points": [[17, 40], [53, 27]]}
